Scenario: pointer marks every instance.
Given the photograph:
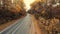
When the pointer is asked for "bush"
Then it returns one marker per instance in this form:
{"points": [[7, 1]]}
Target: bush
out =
{"points": [[37, 16], [7, 15]]}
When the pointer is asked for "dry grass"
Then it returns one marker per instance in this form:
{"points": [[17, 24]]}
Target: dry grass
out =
{"points": [[36, 28], [3, 26]]}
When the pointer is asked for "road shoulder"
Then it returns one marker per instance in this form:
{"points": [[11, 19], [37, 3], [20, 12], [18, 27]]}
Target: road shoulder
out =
{"points": [[35, 26]]}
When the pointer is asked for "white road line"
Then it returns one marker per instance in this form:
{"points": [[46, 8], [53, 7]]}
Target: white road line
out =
{"points": [[14, 27], [8, 27], [22, 28], [11, 29], [17, 28]]}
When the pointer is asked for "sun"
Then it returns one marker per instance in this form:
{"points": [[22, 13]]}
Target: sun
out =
{"points": [[27, 3]]}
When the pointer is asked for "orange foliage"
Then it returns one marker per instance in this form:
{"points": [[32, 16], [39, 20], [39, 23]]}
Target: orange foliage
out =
{"points": [[18, 8]]}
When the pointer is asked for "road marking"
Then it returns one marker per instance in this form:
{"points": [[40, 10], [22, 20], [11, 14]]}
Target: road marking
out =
{"points": [[8, 27], [14, 27], [23, 28], [9, 30]]}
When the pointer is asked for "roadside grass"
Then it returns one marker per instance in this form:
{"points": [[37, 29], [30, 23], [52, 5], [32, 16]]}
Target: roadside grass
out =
{"points": [[3, 26]]}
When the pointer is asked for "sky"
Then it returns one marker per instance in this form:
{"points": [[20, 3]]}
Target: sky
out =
{"points": [[27, 3]]}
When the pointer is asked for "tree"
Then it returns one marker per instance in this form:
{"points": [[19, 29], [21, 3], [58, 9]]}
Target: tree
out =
{"points": [[37, 6], [12, 10], [36, 9]]}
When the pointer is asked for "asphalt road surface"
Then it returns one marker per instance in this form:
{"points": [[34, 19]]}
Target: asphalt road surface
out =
{"points": [[22, 27]]}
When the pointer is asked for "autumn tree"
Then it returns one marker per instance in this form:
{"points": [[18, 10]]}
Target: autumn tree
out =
{"points": [[11, 10], [36, 8]]}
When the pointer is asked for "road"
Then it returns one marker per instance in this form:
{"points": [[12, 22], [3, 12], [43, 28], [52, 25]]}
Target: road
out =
{"points": [[26, 25], [22, 26]]}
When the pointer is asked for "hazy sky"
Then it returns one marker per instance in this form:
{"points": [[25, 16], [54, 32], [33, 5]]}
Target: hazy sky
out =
{"points": [[27, 3]]}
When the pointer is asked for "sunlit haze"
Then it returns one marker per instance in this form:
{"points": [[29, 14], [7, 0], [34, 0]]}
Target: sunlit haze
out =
{"points": [[27, 3]]}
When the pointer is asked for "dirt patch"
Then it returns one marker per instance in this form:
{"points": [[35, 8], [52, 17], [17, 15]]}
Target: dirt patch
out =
{"points": [[36, 29], [3, 26]]}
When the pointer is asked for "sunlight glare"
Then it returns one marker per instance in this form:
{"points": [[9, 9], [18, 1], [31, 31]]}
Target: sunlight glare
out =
{"points": [[27, 3]]}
